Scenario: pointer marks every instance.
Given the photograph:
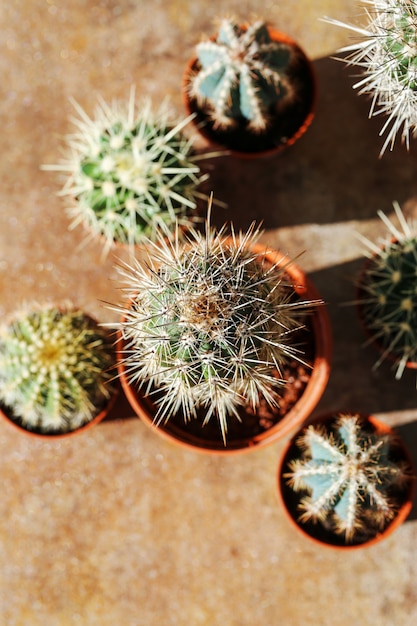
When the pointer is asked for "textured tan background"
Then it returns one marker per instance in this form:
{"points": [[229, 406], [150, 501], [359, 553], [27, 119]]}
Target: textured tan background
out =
{"points": [[116, 526]]}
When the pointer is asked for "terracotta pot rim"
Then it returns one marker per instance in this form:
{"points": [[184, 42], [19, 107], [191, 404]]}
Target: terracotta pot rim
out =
{"points": [[304, 406], [276, 35], [402, 513]]}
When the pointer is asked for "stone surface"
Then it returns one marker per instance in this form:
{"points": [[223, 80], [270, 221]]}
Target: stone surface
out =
{"points": [[117, 526]]}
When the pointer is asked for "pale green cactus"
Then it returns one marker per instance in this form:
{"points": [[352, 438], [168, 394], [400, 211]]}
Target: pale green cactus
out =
{"points": [[387, 54], [388, 292], [346, 476], [55, 368], [242, 74], [207, 324], [130, 171]]}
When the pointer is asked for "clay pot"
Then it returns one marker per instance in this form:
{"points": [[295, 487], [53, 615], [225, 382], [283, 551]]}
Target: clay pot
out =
{"points": [[286, 126], [317, 532], [302, 394]]}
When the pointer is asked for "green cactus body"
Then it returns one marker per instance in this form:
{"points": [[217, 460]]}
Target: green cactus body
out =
{"points": [[207, 325], [54, 369], [242, 74], [388, 287], [387, 53], [130, 172], [347, 475]]}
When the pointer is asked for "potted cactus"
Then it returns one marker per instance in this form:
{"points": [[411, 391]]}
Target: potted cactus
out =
{"points": [[251, 87], [387, 293], [346, 480], [129, 171], [55, 371], [223, 345], [386, 52]]}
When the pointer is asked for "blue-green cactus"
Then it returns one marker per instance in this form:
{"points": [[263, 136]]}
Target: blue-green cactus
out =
{"points": [[55, 368], [346, 476], [388, 288], [242, 73]]}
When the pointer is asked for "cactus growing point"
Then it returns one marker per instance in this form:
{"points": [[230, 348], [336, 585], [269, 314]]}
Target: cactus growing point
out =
{"points": [[207, 324], [54, 369]]}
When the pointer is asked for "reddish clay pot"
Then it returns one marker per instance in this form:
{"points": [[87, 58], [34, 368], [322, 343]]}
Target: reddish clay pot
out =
{"points": [[285, 128], [317, 533], [204, 439]]}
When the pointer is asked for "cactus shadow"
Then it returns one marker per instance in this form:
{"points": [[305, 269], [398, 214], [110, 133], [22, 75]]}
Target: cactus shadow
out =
{"points": [[332, 173]]}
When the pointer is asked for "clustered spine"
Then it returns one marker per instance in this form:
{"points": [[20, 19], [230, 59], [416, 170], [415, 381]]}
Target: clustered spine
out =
{"points": [[346, 477], [55, 368], [242, 74], [208, 324]]}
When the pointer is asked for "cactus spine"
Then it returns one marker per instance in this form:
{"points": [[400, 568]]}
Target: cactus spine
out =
{"points": [[207, 324], [387, 53], [347, 475], [388, 305], [242, 74], [130, 171], [54, 369]]}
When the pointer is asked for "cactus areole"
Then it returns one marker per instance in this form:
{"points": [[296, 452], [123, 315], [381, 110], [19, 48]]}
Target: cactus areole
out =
{"points": [[346, 480], [223, 345], [251, 88]]}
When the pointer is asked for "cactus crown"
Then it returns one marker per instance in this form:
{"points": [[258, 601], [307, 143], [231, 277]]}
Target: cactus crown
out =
{"points": [[348, 476], [242, 73], [387, 52], [130, 172], [388, 285], [54, 366], [207, 324]]}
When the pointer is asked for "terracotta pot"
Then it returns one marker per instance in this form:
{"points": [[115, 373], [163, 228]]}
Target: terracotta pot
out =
{"points": [[193, 435], [285, 129], [317, 533]]}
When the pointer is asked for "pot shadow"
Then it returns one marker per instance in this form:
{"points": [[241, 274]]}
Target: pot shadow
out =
{"points": [[408, 433], [332, 173]]}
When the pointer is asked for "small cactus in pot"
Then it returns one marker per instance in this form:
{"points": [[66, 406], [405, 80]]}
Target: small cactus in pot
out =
{"points": [[246, 78], [208, 329], [130, 171], [55, 369], [386, 51], [387, 293], [349, 475]]}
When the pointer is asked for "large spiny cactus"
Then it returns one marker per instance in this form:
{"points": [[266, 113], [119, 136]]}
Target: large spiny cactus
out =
{"points": [[243, 73], [347, 477], [207, 324], [131, 171], [388, 289], [54, 369]]}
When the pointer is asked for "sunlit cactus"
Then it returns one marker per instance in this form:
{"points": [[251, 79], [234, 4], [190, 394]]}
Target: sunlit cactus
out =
{"points": [[388, 292], [207, 324], [55, 368], [242, 73], [130, 171], [386, 50], [345, 477]]}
